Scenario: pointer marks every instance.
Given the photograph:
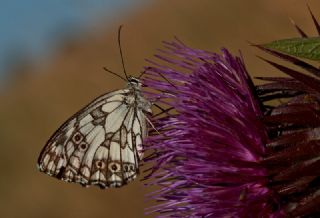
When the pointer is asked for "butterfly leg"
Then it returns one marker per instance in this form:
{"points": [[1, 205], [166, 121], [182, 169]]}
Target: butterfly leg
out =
{"points": [[163, 111]]}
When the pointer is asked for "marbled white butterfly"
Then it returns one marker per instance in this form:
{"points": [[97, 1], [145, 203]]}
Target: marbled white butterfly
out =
{"points": [[102, 143]]}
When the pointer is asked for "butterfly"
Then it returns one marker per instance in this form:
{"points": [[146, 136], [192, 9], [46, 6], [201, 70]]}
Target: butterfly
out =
{"points": [[102, 143]]}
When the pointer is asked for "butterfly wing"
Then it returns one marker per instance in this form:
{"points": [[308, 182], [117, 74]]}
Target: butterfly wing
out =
{"points": [[99, 145]]}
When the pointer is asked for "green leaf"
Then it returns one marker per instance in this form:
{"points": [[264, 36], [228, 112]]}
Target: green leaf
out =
{"points": [[300, 47]]}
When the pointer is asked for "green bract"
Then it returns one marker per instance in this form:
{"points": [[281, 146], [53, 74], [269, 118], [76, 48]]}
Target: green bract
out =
{"points": [[308, 48]]}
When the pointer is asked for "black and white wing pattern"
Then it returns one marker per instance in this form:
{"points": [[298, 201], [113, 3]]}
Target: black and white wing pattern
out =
{"points": [[102, 143]]}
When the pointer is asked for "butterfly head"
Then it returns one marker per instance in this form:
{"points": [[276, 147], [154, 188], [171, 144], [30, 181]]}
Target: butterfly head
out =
{"points": [[134, 83]]}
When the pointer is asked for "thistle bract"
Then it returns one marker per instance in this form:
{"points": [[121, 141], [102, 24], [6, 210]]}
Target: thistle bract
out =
{"points": [[292, 118]]}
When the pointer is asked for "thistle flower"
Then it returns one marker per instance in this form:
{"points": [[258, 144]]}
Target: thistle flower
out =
{"points": [[223, 149], [293, 152], [206, 159]]}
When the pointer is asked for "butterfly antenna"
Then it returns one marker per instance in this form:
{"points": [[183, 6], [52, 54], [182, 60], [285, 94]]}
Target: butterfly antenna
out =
{"points": [[109, 71], [168, 81], [142, 73], [119, 44]]}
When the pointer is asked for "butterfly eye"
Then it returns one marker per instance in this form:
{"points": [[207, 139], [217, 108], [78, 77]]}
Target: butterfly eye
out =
{"points": [[77, 138], [83, 146]]}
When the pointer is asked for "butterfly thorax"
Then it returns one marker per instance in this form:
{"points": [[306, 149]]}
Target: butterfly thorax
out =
{"points": [[137, 98]]}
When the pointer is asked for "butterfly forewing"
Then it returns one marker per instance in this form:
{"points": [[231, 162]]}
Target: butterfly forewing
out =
{"points": [[102, 143]]}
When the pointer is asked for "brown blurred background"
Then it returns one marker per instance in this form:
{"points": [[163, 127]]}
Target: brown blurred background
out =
{"points": [[40, 96]]}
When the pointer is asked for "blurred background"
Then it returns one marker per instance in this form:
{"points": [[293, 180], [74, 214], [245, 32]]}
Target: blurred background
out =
{"points": [[51, 59]]}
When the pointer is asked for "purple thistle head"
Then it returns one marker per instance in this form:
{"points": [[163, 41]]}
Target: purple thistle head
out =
{"points": [[205, 160], [292, 119]]}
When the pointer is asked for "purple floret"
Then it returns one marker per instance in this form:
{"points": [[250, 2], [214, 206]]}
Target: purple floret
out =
{"points": [[205, 160]]}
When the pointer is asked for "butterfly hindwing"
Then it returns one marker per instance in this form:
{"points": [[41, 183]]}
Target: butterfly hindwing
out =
{"points": [[100, 145]]}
